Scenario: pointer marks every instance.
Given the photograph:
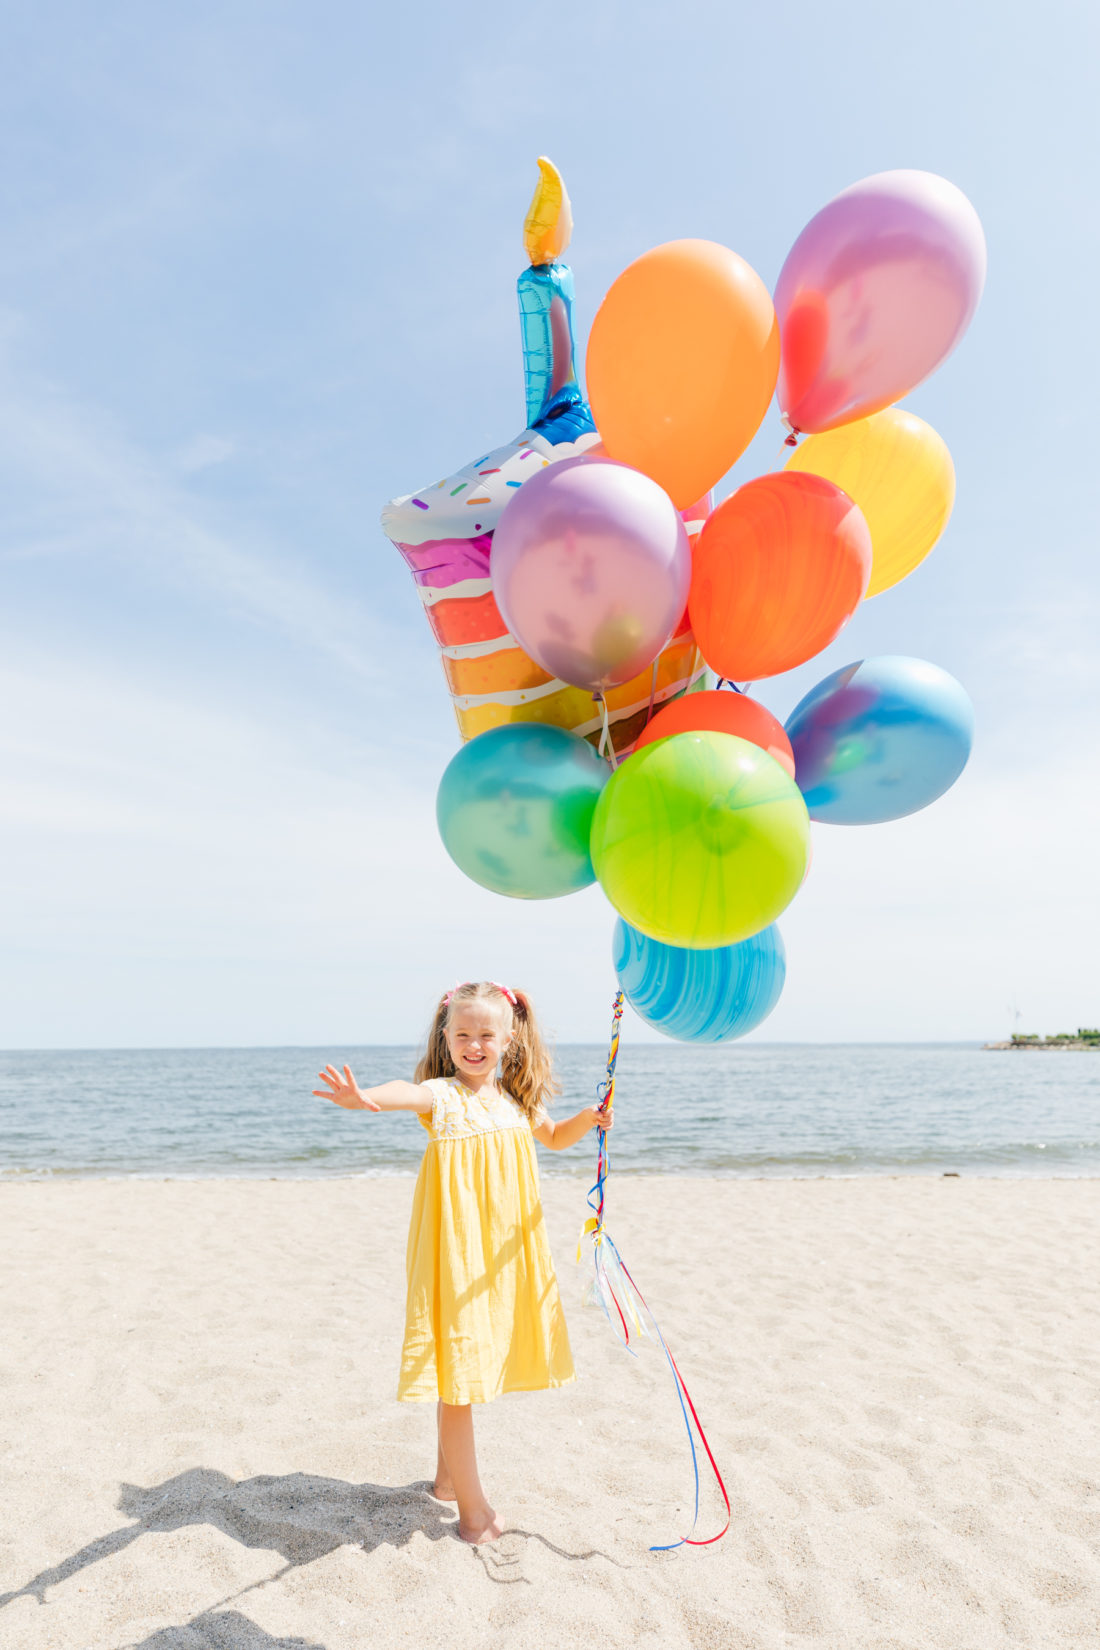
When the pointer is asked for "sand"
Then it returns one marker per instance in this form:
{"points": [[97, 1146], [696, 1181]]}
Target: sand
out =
{"points": [[200, 1447]]}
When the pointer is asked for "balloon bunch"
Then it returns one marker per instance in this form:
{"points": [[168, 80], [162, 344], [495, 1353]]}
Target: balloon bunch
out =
{"points": [[560, 577]]}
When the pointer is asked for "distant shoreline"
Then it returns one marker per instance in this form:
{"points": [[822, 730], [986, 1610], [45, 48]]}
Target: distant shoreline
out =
{"points": [[1072, 1043]]}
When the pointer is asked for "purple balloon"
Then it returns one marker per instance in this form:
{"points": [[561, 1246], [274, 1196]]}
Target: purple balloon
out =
{"points": [[875, 293], [591, 567]]}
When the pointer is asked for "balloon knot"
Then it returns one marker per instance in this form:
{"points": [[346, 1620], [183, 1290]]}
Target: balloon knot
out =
{"points": [[792, 439]]}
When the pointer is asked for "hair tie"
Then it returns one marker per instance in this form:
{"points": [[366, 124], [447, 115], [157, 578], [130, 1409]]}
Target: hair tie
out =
{"points": [[460, 985]]}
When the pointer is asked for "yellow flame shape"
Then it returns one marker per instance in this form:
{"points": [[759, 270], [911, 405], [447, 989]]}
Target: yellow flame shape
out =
{"points": [[548, 226]]}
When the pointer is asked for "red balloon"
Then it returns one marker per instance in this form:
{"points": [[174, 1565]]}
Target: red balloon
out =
{"points": [[779, 569], [714, 712], [805, 343]]}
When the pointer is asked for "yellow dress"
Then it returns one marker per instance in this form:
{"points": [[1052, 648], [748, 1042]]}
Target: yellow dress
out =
{"points": [[482, 1314]]}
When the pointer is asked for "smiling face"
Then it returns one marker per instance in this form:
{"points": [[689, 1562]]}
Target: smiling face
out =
{"points": [[477, 1034]]}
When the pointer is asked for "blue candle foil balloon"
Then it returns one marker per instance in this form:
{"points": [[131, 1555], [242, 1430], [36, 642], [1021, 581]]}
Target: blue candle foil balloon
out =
{"points": [[700, 996], [556, 408], [515, 809], [879, 740]]}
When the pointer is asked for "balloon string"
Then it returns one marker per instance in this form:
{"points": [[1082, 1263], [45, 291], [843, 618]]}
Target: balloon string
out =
{"points": [[652, 692], [682, 1393], [605, 1094], [612, 1279], [606, 746]]}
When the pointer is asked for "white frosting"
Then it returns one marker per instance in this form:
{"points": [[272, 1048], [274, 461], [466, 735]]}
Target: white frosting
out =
{"points": [[462, 591], [470, 501]]}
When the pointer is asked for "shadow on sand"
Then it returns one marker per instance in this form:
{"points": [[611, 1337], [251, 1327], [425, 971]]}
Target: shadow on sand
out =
{"points": [[221, 1630], [301, 1517]]}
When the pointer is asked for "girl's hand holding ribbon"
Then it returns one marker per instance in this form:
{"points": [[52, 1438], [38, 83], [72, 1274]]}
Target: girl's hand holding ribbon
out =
{"points": [[344, 1090]]}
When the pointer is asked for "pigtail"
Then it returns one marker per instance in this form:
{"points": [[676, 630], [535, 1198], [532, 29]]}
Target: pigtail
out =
{"points": [[527, 1070], [436, 1060]]}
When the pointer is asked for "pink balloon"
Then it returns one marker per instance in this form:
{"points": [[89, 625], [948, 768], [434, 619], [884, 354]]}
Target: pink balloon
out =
{"points": [[591, 568], [875, 293]]}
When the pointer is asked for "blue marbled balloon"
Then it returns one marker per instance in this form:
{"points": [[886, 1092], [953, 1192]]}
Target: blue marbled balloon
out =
{"points": [[700, 996], [879, 739]]}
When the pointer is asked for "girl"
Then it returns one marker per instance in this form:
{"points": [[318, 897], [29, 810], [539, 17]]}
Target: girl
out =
{"points": [[482, 1312]]}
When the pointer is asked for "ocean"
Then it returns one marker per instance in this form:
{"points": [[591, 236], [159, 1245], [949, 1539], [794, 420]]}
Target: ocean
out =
{"points": [[752, 1109]]}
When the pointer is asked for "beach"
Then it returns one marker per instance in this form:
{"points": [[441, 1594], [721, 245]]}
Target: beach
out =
{"points": [[899, 1377]]}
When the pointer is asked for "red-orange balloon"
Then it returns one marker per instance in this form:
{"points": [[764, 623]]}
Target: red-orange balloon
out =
{"points": [[714, 712], [778, 572]]}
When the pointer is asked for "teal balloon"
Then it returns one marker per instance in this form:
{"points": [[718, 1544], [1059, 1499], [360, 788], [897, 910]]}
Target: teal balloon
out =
{"points": [[515, 810], [700, 996]]}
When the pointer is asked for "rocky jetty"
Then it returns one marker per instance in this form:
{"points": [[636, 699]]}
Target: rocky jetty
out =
{"points": [[1085, 1037]]}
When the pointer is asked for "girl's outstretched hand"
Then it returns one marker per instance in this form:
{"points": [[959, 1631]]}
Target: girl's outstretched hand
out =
{"points": [[344, 1090], [558, 1136]]}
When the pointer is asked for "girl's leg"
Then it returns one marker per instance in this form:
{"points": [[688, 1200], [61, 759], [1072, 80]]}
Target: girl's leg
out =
{"points": [[443, 1489], [476, 1519]]}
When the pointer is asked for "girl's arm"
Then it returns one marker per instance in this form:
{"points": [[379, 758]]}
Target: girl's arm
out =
{"points": [[571, 1129], [345, 1091]]}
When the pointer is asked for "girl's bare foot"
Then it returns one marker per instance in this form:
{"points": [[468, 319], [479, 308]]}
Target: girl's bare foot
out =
{"points": [[487, 1526], [443, 1490]]}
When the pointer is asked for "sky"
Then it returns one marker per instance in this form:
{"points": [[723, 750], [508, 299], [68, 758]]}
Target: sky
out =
{"points": [[257, 267]]}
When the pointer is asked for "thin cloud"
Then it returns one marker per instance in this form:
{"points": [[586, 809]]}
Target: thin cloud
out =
{"points": [[102, 496], [204, 452]]}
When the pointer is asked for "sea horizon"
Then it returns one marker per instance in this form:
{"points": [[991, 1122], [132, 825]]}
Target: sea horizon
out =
{"points": [[573, 1042], [749, 1110]]}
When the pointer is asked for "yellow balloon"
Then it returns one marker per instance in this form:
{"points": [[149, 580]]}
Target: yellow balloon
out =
{"points": [[899, 472]]}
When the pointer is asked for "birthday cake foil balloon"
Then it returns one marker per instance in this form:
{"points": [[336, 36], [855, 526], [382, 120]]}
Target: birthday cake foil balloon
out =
{"points": [[445, 531]]}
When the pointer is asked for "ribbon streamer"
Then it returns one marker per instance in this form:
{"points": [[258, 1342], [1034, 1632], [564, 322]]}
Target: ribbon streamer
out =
{"points": [[623, 1303]]}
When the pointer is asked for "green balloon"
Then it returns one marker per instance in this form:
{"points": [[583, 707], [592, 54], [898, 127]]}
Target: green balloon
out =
{"points": [[700, 840], [515, 809]]}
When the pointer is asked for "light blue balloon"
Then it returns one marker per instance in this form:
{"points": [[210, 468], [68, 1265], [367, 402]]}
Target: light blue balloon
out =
{"points": [[880, 739], [700, 996], [515, 809]]}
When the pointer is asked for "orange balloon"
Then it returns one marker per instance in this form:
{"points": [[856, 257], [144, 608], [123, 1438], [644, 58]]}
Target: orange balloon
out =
{"points": [[779, 569], [715, 712], [682, 361]]}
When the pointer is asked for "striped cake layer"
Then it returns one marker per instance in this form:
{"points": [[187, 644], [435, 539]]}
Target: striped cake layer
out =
{"points": [[679, 666], [445, 536]]}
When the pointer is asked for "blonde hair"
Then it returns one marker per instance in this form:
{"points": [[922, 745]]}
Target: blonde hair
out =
{"points": [[526, 1071]]}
